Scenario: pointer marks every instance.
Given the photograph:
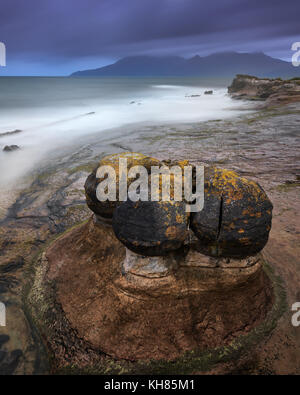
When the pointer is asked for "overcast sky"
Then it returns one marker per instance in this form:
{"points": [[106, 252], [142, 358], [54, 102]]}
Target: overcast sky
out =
{"points": [[57, 37]]}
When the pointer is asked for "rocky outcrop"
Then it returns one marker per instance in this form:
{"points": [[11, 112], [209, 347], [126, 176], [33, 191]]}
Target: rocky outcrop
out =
{"points": [[10, 148], [273, 91], [131, 307], [140, 288]]}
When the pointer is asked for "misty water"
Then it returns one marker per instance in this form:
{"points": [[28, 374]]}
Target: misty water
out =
{"points": [[56, 113]]}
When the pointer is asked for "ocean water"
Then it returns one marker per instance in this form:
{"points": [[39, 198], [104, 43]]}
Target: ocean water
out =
{"points": [[56, 112]]}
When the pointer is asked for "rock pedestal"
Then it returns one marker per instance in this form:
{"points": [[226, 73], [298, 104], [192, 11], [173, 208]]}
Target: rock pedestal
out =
{"points": [[135, 283], [133, 307]]}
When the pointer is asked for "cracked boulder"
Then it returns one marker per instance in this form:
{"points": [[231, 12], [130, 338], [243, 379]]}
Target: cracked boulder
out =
{"points": [[236, 218]]}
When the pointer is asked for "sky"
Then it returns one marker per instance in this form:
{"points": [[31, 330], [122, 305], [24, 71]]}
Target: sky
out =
{"points": [[58, 37]]}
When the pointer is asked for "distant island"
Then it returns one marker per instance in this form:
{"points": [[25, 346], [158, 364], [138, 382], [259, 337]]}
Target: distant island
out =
{"points": [[226, 64]]}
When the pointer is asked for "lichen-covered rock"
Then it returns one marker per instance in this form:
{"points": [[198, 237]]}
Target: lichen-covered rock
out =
{"points": [[236, 218], [151, 228], [105, 209]]}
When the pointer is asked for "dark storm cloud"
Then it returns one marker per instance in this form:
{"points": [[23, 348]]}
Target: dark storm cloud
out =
{"points": [[60, 30]]}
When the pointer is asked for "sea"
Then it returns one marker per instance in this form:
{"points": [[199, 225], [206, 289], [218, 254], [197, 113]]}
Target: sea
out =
{"points": [[52, 113]]}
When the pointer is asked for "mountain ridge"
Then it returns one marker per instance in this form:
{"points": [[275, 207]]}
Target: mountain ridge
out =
{"points": [[224, 64]]}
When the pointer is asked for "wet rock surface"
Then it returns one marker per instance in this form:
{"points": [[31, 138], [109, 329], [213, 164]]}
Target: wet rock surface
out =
{"points": [[275, 91], [263, 146]]}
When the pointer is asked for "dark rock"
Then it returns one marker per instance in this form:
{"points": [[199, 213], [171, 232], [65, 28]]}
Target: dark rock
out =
{"points": [[4, 286], [151, 228], [3, 339], [13, 265], [9, 148], [7, 282], [10, 133], [105, 209], [2, 355], [208, 92], [10, 362], [236, 219]]}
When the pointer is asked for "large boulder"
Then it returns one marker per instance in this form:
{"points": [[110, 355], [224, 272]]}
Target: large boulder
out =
{"points": [[151, 228], [236, 219], [106, 208]]}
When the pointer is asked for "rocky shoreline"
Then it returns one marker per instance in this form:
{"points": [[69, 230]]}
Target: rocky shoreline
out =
{"points": [[263, 145], [274, 92]]}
